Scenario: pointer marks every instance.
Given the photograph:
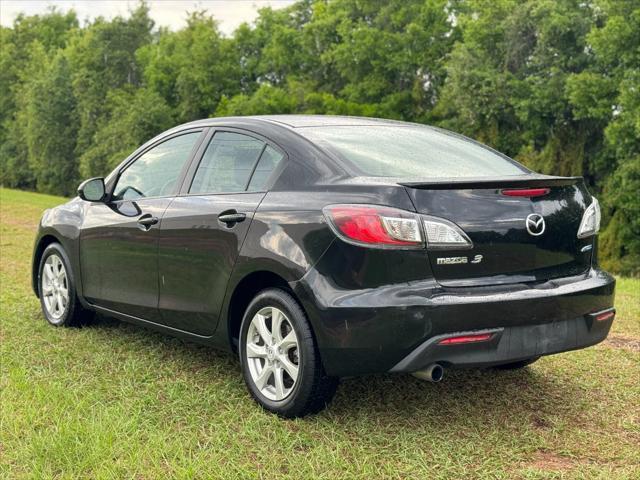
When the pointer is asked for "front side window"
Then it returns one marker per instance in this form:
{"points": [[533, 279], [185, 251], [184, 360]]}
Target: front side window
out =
{"points": [[227, 164], [156, 172], [410, 151]]}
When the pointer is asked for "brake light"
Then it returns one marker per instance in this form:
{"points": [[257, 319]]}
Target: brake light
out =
{"points": [[479, 337], [526, 192], [375, 225]]}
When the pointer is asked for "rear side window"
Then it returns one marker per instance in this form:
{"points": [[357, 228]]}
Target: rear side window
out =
{"points": [[268, 162], [227, 164], [410, 151], [156, 172]]}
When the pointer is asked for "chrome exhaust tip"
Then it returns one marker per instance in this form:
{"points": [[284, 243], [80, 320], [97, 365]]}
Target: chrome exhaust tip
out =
{"points": [[433, 373]]}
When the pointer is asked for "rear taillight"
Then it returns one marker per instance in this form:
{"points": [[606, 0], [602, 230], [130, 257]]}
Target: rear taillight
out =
{"points": [[590, 224], [373, 225]]}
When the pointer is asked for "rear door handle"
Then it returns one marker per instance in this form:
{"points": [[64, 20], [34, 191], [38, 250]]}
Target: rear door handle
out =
{"points": [[146, 221], [231, 217]]}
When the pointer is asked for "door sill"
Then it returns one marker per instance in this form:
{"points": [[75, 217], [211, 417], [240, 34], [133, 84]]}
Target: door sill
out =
{"points": [[148, 323]]}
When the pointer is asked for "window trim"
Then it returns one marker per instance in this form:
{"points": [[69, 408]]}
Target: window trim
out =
{"points": [[195, 163], [183, 172]]}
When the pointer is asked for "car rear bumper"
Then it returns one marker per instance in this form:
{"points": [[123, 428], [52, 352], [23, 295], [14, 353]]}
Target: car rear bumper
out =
{"points": [[397, 327], [509, 344]]}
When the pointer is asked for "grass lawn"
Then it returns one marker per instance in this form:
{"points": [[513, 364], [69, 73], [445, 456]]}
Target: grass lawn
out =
{"points": [[112, 400]]}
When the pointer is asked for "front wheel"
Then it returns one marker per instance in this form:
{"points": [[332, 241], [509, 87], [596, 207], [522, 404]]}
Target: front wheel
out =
{"points": [[57, 290], [280, 361]]}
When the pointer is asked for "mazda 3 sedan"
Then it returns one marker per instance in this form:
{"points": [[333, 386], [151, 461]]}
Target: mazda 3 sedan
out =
{"points": [[320, 247]]}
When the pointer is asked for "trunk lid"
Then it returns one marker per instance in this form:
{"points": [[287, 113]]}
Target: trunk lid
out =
{"points": [[504, 250]]}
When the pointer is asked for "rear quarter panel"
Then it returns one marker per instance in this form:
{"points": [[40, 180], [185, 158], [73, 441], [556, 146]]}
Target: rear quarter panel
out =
{"points": [[289, 236], [289, 233]]}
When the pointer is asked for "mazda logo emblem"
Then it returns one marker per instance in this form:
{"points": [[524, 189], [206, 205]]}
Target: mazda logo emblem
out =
{"points": [[535, 224]]}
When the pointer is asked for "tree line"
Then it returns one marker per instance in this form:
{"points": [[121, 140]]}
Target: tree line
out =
{"points": [[553, 83]]}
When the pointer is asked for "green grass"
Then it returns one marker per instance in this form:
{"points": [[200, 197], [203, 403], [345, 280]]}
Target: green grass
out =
{"points": [[112, 400]]}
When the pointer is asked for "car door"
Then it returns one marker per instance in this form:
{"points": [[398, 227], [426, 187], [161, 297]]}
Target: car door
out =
{"points": [[119, 238], [202, 231]]}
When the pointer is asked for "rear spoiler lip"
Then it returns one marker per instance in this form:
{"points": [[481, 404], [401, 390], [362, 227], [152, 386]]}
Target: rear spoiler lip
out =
{"points": [[493, 182]]}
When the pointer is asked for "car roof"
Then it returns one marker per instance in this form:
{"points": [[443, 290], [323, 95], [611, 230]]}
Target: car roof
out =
{"points": [[298, 121], [301, 121]]}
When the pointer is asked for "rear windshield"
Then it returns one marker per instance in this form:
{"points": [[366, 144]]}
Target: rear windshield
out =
{"points": [[410, 151]]}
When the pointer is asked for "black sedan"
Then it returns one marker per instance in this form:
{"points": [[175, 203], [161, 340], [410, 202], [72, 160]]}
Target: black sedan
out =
{"points": [[320, 247]]}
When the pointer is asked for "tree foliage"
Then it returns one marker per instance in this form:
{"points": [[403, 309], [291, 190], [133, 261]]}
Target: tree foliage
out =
{"points": [[553, 83]]}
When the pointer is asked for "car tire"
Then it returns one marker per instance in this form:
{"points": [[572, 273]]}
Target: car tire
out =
{"points": [[57, 289], [269, 353], [517, 365]]}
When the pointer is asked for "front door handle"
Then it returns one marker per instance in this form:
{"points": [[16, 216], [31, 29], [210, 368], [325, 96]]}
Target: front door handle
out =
{"points": [[146, 221], [231, 217]]}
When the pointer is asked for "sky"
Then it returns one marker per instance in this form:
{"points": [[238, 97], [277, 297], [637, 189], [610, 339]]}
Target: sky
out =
{"points": [[168, 13]]}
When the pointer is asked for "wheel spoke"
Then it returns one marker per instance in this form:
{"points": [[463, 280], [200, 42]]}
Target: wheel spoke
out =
{"points": [[54, 304], [276, 323], [262, 379], [48, 272], [290, 368], [260, 323], [279, 382], [289, 341], [62, 301], [62, 274], [256, 351], [47, 289]]}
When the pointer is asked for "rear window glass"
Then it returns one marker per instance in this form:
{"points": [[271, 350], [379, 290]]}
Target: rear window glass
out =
{"points": [[410, 151], [227, 164]]}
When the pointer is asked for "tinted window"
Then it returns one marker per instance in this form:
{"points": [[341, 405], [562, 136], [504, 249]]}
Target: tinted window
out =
{"points": [[156, 172], [410, 151], [227, 163], [268, 162]]}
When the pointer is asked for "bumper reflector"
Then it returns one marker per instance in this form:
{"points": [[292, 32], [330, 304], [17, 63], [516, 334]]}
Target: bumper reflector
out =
{"points": [[480, 337], [604, 316]]}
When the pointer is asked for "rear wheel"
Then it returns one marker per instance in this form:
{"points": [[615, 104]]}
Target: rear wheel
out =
{"points": [[280, 361], [57, 289], [517, 365]]}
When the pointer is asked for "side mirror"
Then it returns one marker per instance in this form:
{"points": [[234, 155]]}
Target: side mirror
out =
{"points": [[92, 190]]}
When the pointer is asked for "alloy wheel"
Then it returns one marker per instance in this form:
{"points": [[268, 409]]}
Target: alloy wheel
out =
{"points": [[272, 353], [55, 287]]}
